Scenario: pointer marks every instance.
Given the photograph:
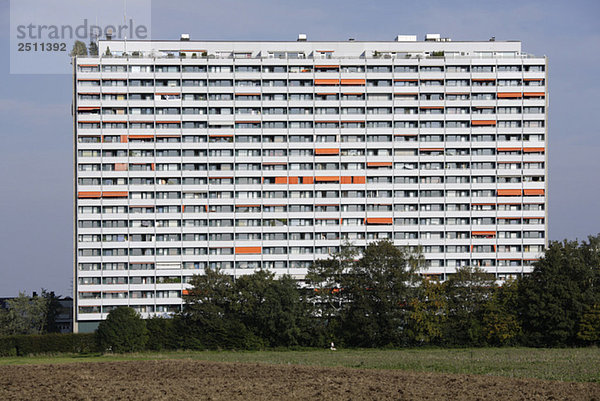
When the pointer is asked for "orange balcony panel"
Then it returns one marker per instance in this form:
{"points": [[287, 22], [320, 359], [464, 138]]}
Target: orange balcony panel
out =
{"points": [[141, 136], [327, 151], [355, 82], [308, 180], [483, 122], [120, 166], [379, 220], [281, 180], [378, 164], [509, 192], [248, 250], [534, 150], [484, 233], [346, 180], [359, 180], [88, 195], [431, 149], [534, 192], [327, 179], [123, 138], [534, 94], [509, 95], [293, 180], [509, 149], [115, 194], [327, 81], [327, 66]]}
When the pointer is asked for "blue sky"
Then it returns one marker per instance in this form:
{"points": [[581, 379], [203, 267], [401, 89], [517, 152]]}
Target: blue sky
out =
{"points": [[36, 132]]}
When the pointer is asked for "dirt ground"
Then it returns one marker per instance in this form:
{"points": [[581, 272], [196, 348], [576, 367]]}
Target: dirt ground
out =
{"points": [[188, 379]]}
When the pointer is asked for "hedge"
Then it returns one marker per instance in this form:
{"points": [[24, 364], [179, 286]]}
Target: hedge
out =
{"points": [[22, 345], [8, 346]]}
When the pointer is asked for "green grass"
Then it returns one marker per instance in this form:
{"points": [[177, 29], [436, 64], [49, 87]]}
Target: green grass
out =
{"points": [[568, 364]]}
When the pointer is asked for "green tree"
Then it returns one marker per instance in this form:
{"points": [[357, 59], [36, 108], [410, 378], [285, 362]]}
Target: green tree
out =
{"points": [[564, 283], [93, 48], [271, 308], [210, 314], [162, 333], [501, 324], [79, 49], [376, 291], [589, 326], [467, 292], [53, 309], [324, 295], [24, 315], [427, 313], [123, 331]]}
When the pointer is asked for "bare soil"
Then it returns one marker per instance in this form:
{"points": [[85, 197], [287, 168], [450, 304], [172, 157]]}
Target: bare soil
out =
{"points": [[199, 380]]}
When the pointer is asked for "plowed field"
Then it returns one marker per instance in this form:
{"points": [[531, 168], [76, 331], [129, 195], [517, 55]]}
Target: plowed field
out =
{"points": [[198, 380]]}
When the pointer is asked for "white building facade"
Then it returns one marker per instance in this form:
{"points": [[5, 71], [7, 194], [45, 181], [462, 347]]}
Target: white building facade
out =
{"points": [[248, 155]]}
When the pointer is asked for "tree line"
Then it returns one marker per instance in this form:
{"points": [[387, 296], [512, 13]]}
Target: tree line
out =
{"points": [[24, 315], [379, 300]]}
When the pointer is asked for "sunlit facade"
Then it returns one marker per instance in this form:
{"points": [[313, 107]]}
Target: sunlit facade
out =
{"points": [[249, 155]]}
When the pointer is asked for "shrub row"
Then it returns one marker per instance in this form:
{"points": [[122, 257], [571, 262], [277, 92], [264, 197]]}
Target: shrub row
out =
{"points": [[22, 345]]}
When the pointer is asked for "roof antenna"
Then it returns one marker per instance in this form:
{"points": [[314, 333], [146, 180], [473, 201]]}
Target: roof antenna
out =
{"points": [[125, 22]]}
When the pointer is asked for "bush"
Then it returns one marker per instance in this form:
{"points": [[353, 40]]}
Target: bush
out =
{"points": [[84, 343], [22, 345], [162, 334], [7, 346], [123, 331]]}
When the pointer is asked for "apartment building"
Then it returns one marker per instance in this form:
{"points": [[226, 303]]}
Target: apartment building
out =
{"points": [[247, 155]]}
